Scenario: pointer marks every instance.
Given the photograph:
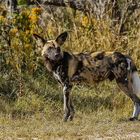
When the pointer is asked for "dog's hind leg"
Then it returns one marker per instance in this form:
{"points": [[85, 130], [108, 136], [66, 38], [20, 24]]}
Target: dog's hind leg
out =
{"points": [[135, 112], [68, 106], [127, 87], [72, 112]]}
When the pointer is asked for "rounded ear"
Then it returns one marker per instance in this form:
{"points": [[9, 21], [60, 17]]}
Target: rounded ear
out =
{"points": [[62, 38], [39, 40]]}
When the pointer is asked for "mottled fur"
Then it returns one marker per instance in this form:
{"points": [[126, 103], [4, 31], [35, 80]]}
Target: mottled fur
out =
{"points": [[89, 68]]}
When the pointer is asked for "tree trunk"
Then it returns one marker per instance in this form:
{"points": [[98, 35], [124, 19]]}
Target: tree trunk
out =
{"points": [[11, 6]]}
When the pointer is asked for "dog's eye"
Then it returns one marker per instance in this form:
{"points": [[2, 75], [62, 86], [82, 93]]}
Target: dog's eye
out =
{"points": [[58, 49], [50, 48]]}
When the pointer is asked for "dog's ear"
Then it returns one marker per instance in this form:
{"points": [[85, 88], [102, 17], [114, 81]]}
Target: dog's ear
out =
{"points": [[39, 40], [62, 38]]}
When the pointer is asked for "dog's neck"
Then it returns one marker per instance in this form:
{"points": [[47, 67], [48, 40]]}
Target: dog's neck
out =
{"points": [[53, 65]]}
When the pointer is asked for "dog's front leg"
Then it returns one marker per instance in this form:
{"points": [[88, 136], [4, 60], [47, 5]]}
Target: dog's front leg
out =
{"points": [[68, 107]]}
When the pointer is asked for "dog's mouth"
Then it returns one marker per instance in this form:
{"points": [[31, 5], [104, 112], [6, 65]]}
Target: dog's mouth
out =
{"points": [[56, 58]]}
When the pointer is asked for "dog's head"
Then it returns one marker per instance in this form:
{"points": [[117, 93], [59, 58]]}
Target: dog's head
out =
{"points": [[51, 49]]}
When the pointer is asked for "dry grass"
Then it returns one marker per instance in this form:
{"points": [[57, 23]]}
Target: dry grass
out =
{"points": [[31, 103], [102, 112], [96, 125]]}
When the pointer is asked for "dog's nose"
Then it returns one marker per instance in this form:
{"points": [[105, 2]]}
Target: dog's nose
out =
{"points": [[56, 55]]}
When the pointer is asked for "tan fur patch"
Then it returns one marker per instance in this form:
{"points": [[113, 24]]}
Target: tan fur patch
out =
{"points": [[72, 66]]}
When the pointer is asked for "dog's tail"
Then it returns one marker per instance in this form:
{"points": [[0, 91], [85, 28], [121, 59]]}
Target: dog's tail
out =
{"points": [[136, 82], [135, 77]]}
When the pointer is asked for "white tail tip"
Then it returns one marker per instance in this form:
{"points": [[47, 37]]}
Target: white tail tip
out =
{"points": [[136, 83]]}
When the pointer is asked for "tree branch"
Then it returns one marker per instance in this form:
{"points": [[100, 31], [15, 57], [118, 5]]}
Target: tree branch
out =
{"points": [[76, 5]]}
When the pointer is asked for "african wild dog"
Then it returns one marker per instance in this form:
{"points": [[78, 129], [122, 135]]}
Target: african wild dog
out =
{"points": [[91, 68]]}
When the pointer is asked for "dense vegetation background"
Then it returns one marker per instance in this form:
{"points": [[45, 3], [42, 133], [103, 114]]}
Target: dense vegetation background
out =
{"points": [[27, 89]]}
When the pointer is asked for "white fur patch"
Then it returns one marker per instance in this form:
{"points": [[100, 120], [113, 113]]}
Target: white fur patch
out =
{"points": [[57, 76], [136, 83], [129, 64]]}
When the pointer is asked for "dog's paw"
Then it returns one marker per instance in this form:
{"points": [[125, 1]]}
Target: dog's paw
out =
{"points": [[133, 119]]}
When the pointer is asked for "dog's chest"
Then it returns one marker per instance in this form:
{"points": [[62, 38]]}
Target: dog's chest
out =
{"points": [[57, 76], [60, 74]]}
